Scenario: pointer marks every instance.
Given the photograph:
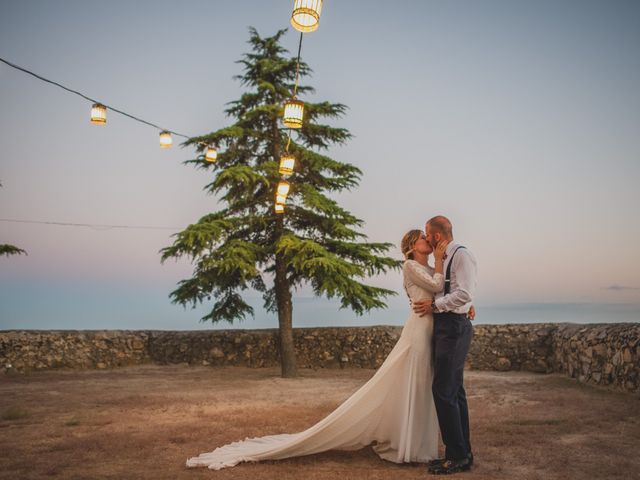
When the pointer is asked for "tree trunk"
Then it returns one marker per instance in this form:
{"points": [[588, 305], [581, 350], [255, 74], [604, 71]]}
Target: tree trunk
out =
{"points": [[285, 311], [283, 289]]}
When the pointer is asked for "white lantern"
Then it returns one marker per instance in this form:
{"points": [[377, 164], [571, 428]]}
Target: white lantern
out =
{"points": [[283, 188], [279, 208], [293, 113], [281, 199], [306, 15], [98, 114], [165, 139], [287, 162], [212, 154]]}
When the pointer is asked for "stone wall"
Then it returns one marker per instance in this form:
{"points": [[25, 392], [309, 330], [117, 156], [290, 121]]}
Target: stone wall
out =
{"points": [[526, 347], [24, 350], [315, 347], [598, 354]]}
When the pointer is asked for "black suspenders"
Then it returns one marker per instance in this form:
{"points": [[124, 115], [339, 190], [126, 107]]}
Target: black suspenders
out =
{"points": [[447, 278]]}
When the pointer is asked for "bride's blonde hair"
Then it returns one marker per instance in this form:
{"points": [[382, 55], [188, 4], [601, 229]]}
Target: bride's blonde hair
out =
{"points": [[408, 241]]}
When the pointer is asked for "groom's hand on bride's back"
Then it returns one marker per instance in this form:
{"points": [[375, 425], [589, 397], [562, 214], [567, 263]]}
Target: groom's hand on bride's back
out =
{"points": [[471, 314], [422, 307]]}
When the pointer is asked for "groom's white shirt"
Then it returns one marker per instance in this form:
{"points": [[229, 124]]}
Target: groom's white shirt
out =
{"points": [[463, 281]]}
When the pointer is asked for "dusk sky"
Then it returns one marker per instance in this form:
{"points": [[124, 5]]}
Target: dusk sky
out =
{"points": [[519, 120]]}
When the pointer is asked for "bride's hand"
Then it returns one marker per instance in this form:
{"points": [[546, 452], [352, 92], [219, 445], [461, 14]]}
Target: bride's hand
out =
{"points": [[438, 253]]}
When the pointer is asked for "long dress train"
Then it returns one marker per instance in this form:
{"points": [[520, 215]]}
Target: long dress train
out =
{"points": [[394, 408]]}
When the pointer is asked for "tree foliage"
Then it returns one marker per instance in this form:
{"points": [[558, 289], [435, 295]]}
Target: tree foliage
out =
{"points": [[245, 245], [9, 250]]}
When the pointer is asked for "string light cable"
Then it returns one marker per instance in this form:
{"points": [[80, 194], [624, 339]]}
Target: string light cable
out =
{"points": [[75, 92], [295, 86], [91, 225], [305, 18]]}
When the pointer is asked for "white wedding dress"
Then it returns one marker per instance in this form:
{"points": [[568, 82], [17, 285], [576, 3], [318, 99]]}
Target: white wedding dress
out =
{"points": [[394, 409]]}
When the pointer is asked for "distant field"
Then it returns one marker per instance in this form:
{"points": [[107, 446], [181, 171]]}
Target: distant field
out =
{"points": [[143, 422]]}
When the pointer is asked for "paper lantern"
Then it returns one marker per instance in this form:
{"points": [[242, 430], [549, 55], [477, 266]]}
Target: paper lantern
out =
{"points": [[287, 162], [212, 154], [283, 188], [293, 113], [98, 114], [306, 15], [281, 199], [279, 208], [165, 139]]}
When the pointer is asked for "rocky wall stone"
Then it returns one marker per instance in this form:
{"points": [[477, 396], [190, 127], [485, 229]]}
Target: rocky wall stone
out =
{"points": [[25, 350], [605, 354], [600, 354], [525, 347]]}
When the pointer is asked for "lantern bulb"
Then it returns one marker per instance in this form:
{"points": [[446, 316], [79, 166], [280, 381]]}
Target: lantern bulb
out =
{"points": [[287, 163], [283, 188], [306, 15], [165, 139], [212, 154], [98, 114], [293, 113]]}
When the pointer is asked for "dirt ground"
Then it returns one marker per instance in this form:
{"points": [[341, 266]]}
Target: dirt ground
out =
{"points": [[143, 422]]}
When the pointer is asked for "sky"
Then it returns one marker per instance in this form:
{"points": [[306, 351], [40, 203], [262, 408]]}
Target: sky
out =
{"points": [[519, 120]]}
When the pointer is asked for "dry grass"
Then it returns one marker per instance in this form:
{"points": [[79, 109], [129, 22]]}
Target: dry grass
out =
{"points": [[143, 422]]}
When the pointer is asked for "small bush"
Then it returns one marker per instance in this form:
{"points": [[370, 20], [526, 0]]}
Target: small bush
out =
{"points": [[73, 422], [14, 413]]}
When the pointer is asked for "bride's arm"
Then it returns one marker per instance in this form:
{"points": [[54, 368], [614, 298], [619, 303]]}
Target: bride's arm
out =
{"points": [[415, 273]]}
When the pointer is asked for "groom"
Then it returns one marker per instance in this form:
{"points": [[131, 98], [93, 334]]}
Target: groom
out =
{"points": [[452, 334]]}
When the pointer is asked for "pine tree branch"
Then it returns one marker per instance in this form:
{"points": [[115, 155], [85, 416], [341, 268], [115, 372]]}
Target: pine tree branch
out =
{"points": [[9, 250]]}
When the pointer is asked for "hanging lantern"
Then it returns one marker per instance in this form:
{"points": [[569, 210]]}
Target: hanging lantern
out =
{"points": [[293, 113], [306, 15], [283, 188], [212, 154], [281, 199], [98, 114], [279, 208], [287, 162], [165, 139]]}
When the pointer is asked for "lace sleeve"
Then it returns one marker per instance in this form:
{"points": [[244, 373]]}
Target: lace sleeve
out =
{"points": [[417, 274]]}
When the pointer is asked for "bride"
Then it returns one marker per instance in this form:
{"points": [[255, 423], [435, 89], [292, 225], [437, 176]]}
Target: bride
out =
{"points": [[394, 410]]}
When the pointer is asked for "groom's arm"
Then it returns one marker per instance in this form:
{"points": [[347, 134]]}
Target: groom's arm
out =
{"points": [[466, 271]]}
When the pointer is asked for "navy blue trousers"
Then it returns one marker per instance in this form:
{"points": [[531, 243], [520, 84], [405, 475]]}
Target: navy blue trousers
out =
{"points": [[452, 335]]}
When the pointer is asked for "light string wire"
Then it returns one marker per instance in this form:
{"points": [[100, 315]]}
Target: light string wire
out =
{"points": [[89, 225], [133, 117], [295, 88], [295, 85]]}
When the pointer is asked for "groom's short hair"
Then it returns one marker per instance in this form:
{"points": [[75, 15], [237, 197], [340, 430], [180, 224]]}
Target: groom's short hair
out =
{"points": [[441, 224]]}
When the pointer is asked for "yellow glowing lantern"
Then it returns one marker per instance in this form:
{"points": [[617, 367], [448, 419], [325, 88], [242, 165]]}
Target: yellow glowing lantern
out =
{"points": [[212, 154], [293, 113], [287, 162], [281, 199], [283, 188], [165, 139], [306, 15], [98, 114], [279, 208]]}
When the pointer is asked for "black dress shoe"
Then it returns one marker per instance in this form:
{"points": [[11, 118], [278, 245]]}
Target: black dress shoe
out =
{"points": [[451, 466], [439, 461]]}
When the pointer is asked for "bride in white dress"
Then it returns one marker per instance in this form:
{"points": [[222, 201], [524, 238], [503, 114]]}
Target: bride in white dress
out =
{"points": [[394, 410]]}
